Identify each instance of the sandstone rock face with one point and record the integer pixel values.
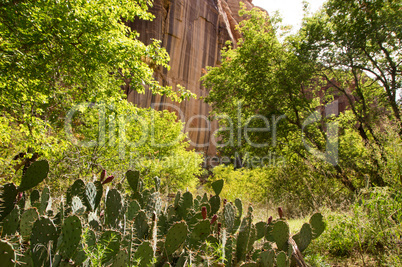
(193, 33)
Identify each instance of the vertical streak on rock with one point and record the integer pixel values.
(193, 33)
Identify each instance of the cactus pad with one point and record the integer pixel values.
(8, 194)
(44, 200)
(34, 197)
(282, 260)
(43, 237)
(280, 234)
(132, 210)
(229, 213)
(141, 225)
(304, 237)
(200, 232)
(176, 235)
(215, 203)
(71, 231)
(267, 258)
(133, 178)
(260, 227)
(154, 204)
(43, 232)
(121, 259)
(35, 174)
(217, 186)
(76, 189)
(243, 239)
(185, 204)
(157, 181)
(7, 254)
(76, 206)
(144, 254)
(11, 222)
(93, 195)
(177, 199)
(317, 225)
(27, 220)
(114, 207)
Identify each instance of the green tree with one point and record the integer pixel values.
(55, 55)
(274, 95)
(359, 37)
(350, 41)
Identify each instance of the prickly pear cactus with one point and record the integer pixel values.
(304, 237)
(162, 224)
(217, 186)
(114, 207)
(239, 207)
(280, 234)
(7, 254)
(121, 259)
(260, 227)
(133, 178)
(197, 217)
(71, 231)
(34, 198)
(267, 258)
(10, 224)
(177, 199)
(76, 189)
(229, 213)
(8, 194)
(282, 260)
(243, 238)
(43, 241)
(35, 174)
(228, 249)
(175, 237)
(44, 200)
(157, 181)
(200, 232)
(93, 195)
(184, 205)
(144, 254)
(154, 204)
(317, 225)
(141, 225)
(76, 206)
(27, 220)
(215, 203)
(132, 210)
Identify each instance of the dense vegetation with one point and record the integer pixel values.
(138, 228)
(279, 104)
(63, 64)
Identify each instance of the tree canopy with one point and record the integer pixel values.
(279, 97)
(57, 56)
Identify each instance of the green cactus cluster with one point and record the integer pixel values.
(138, 228)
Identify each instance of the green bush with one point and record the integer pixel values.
(293, 186)
(371, 228)
(248, 184)
(115, 137)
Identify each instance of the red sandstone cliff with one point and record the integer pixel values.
(193, 33)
